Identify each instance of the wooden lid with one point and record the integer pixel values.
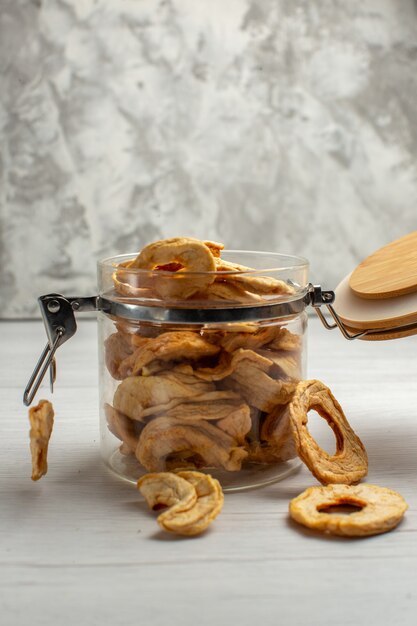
(364, 314)
(389, 272)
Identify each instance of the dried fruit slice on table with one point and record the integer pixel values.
(381, 509)
(41, 419)
(195, 500)
(165, 489)
(209, 503)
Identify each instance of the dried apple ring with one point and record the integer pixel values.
(196, 519)
(165, 489)
(188, 255)
(381, 509)
(350, 462)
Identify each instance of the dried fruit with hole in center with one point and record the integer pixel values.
(41, 418)
(381, 509)
(350, 462)
(190, 256)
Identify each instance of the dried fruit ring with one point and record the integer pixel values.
(350, 462)
(178, 256)
(380, 509)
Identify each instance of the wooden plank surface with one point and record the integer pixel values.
(80, 547)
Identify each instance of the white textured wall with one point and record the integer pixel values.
(283, 125)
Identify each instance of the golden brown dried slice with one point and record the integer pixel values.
(215, 248)
(286, 365)
(124, 428)
(272, 336)
(172, 346)
(165, 489)
(262, 453)
(381, 509)
(41, 418)
(221, 291)
(137, 393)
(232, 416)
(196, 519)
(117, 348)
(165, 436)
(277, 432)
(252, 381)
(350, 462)
(247, 278)
(127, 282)
(187, 255)
(285, 340)
(207, 398)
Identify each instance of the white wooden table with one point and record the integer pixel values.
(80, 547)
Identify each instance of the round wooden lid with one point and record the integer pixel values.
(365, 314)
(389, 272)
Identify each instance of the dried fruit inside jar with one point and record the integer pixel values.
(200, 396)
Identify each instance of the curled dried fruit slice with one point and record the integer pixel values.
(215, 248)
(381, 509)
(187, 255)
(137, 396)
(41, 419)
(124, 428)
(277, 432)
(350, 462)
(172, 346)
(127, 283)
(237, 275)
(117, 349)
(273, 337)
(196, 519)
(251, 379)
(165, 489)
(166, 436)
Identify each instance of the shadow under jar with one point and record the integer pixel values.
(201, 381)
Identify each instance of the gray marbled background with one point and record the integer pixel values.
(286, 125)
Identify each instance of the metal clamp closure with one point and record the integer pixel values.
(59, 319)
(317, 299)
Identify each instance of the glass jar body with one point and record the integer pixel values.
(209, 396)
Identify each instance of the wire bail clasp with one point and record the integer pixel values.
(60, 325)
(318, 297)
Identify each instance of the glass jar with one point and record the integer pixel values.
(201, 382)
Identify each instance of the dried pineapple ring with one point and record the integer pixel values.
(350, 462)
(209, 503)
(167, 489)
(191, 254)
(382, 509)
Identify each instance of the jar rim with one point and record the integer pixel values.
(293, 263)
